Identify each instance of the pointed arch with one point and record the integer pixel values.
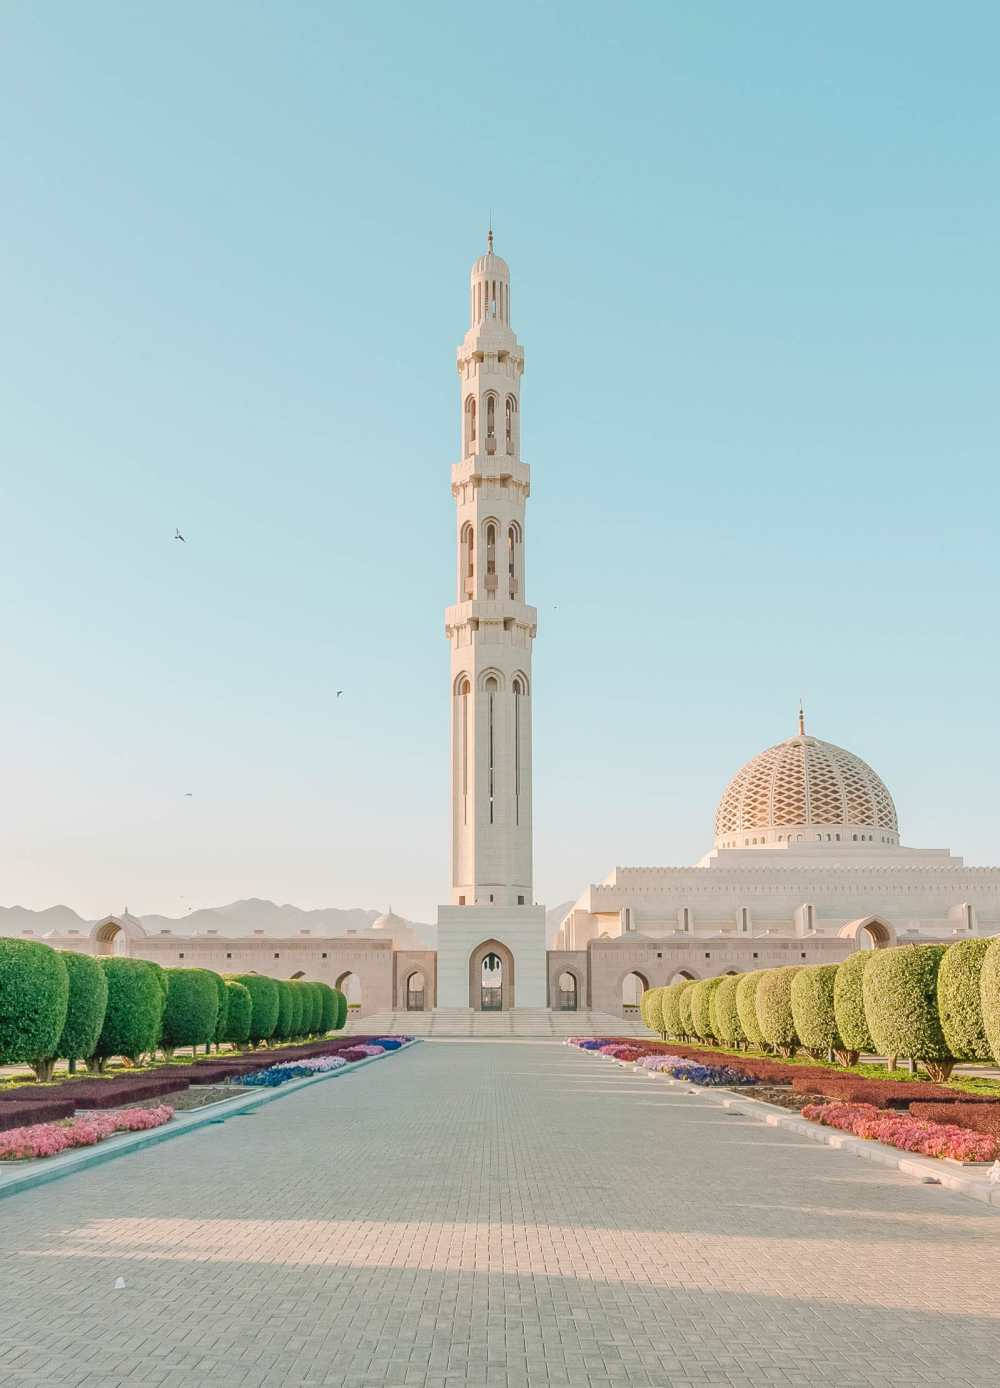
(477, 958)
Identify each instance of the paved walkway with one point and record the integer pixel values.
(510, 1213)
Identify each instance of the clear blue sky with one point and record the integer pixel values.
(754, 259)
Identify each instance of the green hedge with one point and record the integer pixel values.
(298, 1007)
(134, 1013)
(725, 1014)
(812, 1007)
(34, 996)
(341, 1021)
(239, 1011)
(684, 1007)
(746, 1006)
(849, 1004)
(328, 1015)
(670, 1008)
(283, 1027)
(654, 1010)
(899, 988)
(222, 1017)
(88, 1002)
(774, 1009)
(701, 1007)
(959, 1000)
(315, 1008)
(191, 1009)
(264, 999)
(989, 996)
(644, 998)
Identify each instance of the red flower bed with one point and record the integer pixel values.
(37, 1110)
(120, 1090)
(904, 1131)
(978, 1117)
(854, 1089)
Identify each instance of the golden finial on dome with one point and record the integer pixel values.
(489, 237)
(802, 720)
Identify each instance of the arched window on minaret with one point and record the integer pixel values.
(468, 552)
(470, 423)
(462, 688)
(491, 686)
(513, 559)
(491, 424)
(509, 424)
(491, 559)
(520, 687)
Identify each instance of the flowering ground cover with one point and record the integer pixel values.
(683, 1069)
(47, 1139)
(905, 1131)
(285, 1070)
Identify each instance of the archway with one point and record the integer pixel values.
(633, 987)
(683, 976)
(111, 938)
(415, 992)
(568, 993)
(491, 977)
(350, 985)
(868, 932)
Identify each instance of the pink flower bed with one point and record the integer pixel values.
(47, 1139)
(370, 1049)
(904, 1131)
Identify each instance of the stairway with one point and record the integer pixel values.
(517, 1022)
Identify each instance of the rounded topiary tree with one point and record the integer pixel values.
(701, 1007)
(88, 1002)
(899, 990)
(239, 1010)
(34, 995)
(222, 1017)
(774, 1009)
(191, 1009)
(654, 1010)
(264, 1000)
(746, 1006)
(812, 1009)
(959, 1000)
(134, 1013)
(670, 1008)
(316, 1015)
(725, 1014)
(341, 1021)
(644, 997)
(298, 1007)
(328, 1014)
(849, 1007)
(684, 1007)
(283, 1028)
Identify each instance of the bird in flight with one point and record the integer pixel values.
(178, 535)
(339, 692)
(188, 794)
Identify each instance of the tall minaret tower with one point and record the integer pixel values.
(490, 628)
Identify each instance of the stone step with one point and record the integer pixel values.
(519, 1021)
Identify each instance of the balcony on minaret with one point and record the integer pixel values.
(491, 585)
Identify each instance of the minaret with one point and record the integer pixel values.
(490, 629)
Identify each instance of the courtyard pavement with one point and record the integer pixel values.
(508, 1213)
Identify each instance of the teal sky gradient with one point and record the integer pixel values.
(754, 266)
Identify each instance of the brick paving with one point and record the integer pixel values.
(508, 1213)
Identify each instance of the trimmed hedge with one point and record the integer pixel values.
(989, 996)
(328, 1015)
(701, 1007)
(134, 1013)
(726, 1022)
(774, 1008)
(264, 1004)
(341, 1021)
(812, 1007)
(314, 1010)
(684, 1008)
(88, 1002)
(849, 1005)
(239, 1011)
(981, 1118)
(899, 989)
(283, 1028)
(856, 1089)
(34, 996)
(191, 1009)
(959, 1001)
(222, 1016)
(644, 997)
(670, 1008)
(22, 1113)
(298, 1007)
(654, 1010)
(746, 1006)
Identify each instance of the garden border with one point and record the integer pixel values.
(21, 1177)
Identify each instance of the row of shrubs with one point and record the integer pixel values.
(58, 1005)
(936, 1004)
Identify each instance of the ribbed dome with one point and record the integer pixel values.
(807, 790)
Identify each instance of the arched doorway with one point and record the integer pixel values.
(491, 977)
(568, 993)
(111, 938)
(415, 992)
(633, 987)
(682, 976)
(350, 985)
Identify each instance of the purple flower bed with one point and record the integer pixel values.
(682, 1069)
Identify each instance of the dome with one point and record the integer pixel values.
(390, 922)
(809, 791)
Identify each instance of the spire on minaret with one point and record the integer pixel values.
(489, 239)
(802, 720)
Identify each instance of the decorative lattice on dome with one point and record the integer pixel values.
(801, 782)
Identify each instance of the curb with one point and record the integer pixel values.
(48, 1169)
(927, 1170)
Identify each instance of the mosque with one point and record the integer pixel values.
(806, 867)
